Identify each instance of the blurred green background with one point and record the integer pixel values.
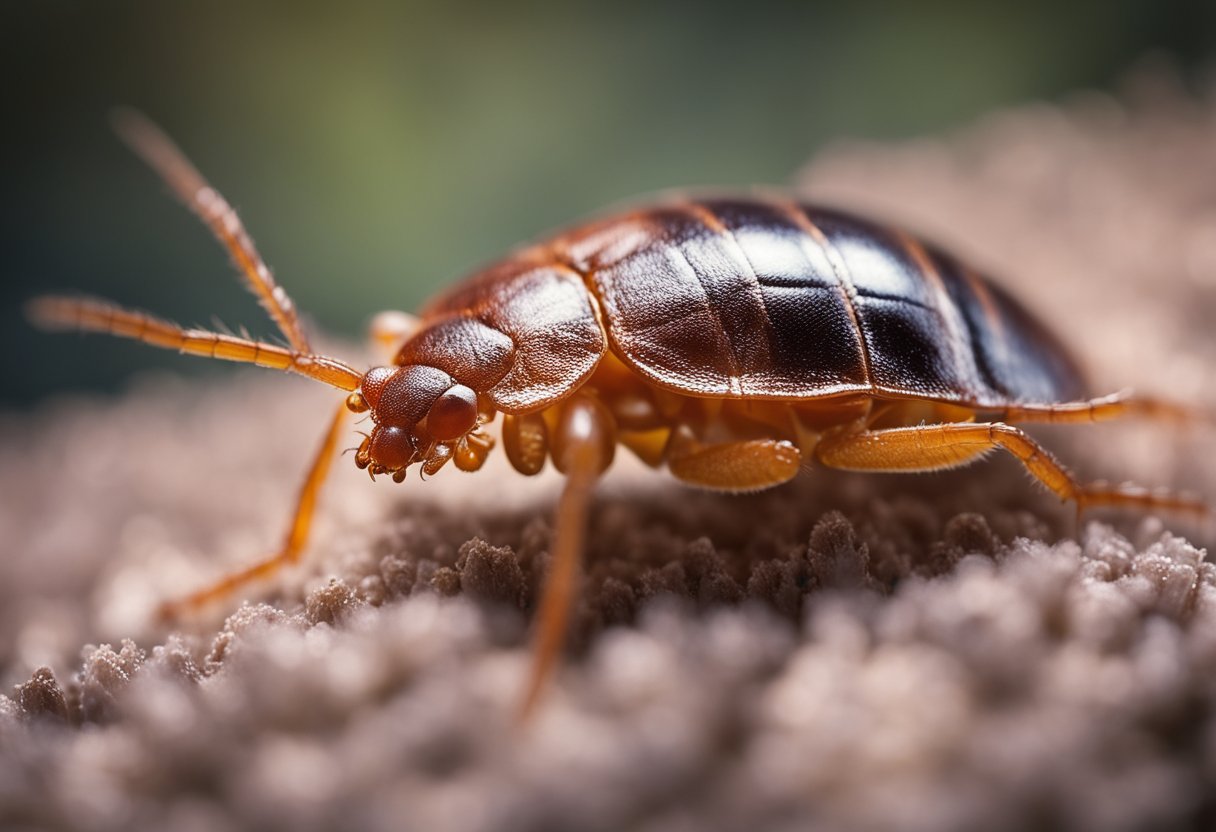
(378, 150)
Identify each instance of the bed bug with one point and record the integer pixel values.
(733, 340)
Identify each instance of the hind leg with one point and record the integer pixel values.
(933, 447)
(1105, 408)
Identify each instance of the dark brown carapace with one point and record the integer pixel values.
(735, 341)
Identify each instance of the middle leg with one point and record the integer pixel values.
(746, 465)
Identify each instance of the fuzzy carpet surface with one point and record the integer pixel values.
(935, 652)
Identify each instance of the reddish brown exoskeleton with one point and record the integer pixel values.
(733, 340)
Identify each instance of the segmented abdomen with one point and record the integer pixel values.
(775, 300)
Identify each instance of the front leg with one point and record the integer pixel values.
(582, 449)
(293, 544)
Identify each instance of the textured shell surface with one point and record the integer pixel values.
(760, 297)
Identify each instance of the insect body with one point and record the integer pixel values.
(735, 341)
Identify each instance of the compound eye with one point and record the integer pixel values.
(453, 414)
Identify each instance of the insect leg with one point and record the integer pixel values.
(932, 447)
(735, 466)
(1117, 406)
(582, 449)
(293, 545)
(151, 144)
(388, 330)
